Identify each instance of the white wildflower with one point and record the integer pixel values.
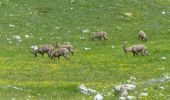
(86, 31)
(27, 36)
(10, 42)
(163, 12)
(82, 38)
(57, 28)
(129, 14)
(143, 94)
(8, 39)
(72, 1)
(87, 49)
(10, 25)
(163, 58)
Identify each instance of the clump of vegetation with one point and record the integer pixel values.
(43, 9)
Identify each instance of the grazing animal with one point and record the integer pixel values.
(41, 49)
(142, 36)
(66, 45)
(99, 35)
(135, 49)
(59, 52)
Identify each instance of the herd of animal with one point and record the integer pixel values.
(66, 47)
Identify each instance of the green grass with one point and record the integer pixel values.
(101, 68)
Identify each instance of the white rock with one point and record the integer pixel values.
(17, 38)
(85, 90)
(98, 97)
(131, 97)
(124, 89)
(122, 98)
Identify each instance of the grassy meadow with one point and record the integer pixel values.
(25, 77)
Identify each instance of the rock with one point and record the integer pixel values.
(98, 97)
(17, 38)
(122, 98)
(124, 89)
(85, 90)
(131, 97)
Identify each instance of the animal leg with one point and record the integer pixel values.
(145, 52)
(136, 53)
(105, 38)
(142, 52)
(66, 56)
(139, 37)
(35, 54)
(58, 57)
(42, 54)
(72, 52)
